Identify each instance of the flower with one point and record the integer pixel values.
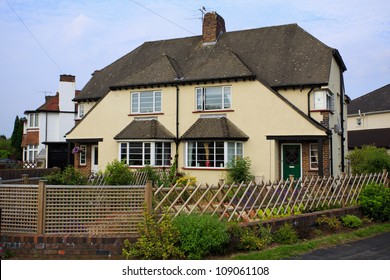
(75, 150)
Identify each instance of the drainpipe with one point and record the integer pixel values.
(342, 122)
(177, 141)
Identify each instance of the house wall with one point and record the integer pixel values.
(256, 110)
(369, 121)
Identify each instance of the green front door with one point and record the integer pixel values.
(291, 158)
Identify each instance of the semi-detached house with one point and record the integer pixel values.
(273, 94)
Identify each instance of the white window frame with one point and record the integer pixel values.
(30, 153)
(33, 120)
(145, 145)
(313, 148)
(80, 111)
(200, 98)
(323, 100)
(135, 97)
(83, 155)
(238, 145)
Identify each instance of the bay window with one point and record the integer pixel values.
(139, 153)
(212, 154)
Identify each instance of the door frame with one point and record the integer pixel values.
(94, 167)
(282, 157)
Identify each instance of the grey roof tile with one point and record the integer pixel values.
(375, 101)
(144, 129)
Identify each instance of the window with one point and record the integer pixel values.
(146, 153)
(213, 98)
(359, 121)
(30, 153)
(83, 154)
(323, 100)
(145, 102)
(212, 154)
(33, 120)
(313, 156)
(81, 110)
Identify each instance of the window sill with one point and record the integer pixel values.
(322, 110)
(213, 111)
(205, 168)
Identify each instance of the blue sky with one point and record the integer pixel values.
(79, 37)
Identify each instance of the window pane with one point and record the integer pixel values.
(135, 153)
(191, 154)
(36, 120)
(146, 102)
(134, 102)
(157, 101)
(227, 98)
(199, 99)
(213, 98)
(313, 156)
(123, 154)
(147, 154)
(219, 154)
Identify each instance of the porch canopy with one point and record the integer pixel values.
(299, 138)
(145, 129)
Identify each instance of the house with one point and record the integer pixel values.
(44, 144)
(273, 94)
(369, 119)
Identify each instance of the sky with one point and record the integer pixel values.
(40, 40)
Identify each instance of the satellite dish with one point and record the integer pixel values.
(336, 128)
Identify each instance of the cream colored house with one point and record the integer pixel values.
(369, 119)
(272, 94)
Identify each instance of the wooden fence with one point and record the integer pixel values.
(107, 210)
(254, 202)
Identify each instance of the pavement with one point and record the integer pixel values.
(373, 248)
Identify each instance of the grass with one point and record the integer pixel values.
(289, 251)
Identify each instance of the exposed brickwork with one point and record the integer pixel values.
(67, 78)
(213, 26)
(86, 169)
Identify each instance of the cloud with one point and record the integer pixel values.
(77, 28)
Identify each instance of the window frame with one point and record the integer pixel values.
(201, 98)
(30, 153)
(80, 111)
(313, 165)
(136, 96)
(227, 157)
(83, 155)
(33, 120)
(150, 157)
(323, 100)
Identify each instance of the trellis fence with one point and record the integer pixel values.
(253, 202)
(107, 210)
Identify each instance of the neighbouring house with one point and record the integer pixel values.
(273, 94)
(369, 119)
(44, 144)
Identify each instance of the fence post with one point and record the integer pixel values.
(148, 196)
(25, 179)
(41, 206)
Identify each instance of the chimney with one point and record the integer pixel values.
(213, 26)
(66, 90)
(67, 78)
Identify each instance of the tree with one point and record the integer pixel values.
(16, 137)
(369, 159)
(6, 148)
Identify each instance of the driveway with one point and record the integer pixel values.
(372, 248)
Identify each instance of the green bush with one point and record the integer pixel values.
(369, 159)
(375, 202)
(286, 235)
(332, 222)
(69, 176)
(249, 238)
(118, 173)
(239, 170)
(351, 221)
(201, 235)
(157, 240)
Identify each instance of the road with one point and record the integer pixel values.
(372, 248)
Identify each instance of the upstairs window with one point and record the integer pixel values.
(146, 102)
(80, 111)
(323, 100)
(33, 120)
(213, 98)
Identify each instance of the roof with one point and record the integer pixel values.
(214, 128)
(278, 56)
(145, 129)
(377, 137)
(51, 104)
(375, 101)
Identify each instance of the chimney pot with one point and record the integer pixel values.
(213, 26)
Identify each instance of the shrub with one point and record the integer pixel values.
(332, 222)
(375, 201)
(369, 159)
(249, 238)
(156, 241)
(118, 173)
(285, 235)
(69, 176)
(201, 235)
(238, 170)
(351, 221)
